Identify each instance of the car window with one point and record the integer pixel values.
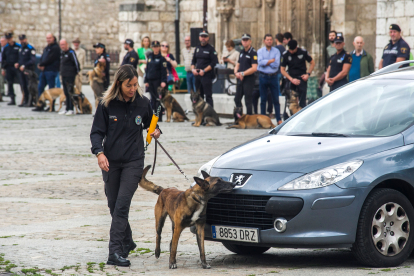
(364, 108)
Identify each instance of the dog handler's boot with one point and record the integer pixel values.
(116, 259)
(12, 102)
(127, 248)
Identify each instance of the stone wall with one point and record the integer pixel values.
(90, 20)
(399, 12)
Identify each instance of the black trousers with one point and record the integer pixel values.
(152, 89)
(121, 182)
(245, 88)
(68, 84)
(205, 83)
(24, 83)
(301, 90)
(338, 84)
(11, 74)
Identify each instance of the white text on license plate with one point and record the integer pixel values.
(235, 233)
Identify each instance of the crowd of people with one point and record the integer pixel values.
(279, 59)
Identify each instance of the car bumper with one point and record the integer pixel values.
(328, 218)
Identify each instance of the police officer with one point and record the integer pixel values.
(245, 68)
(131, 56)
(117, 141)
(156, 73)
(10, 57)
(27, 61)
(295, 59)
(202, 66)
(339, 65)
(395, 51)
(103, 57)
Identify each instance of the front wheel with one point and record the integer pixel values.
(245, 250)
(384, 236)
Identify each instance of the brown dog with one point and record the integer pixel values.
(205, 113)
(51, 95)
(172, 106)
(293, 103)
(185, 209)
(81, 102)
(252, 122)
(96, 81)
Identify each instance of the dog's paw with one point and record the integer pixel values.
(173, 266)
(206, 266)
(157, 253)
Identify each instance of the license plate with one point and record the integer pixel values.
(235, 233)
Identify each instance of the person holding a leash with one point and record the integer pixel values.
(117, 141)
(27, 61)
(10, 56)
(103, 57)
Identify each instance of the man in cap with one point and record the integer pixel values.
(103, 57)
(156, 74)
(27, 61)
(202, 66)
(81, 55)
(132, 56)
(395, 51)
(49, 65)
(295, 59)
(339, 65)
(244, 71)
(10, 56)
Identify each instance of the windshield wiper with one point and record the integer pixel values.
(326, 134)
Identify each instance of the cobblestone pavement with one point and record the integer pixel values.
(53, 212)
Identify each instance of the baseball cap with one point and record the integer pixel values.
(155, 43)
(246, 36)
(292, 44)
(203, 33)
(22, 36)
(99, 45)
(76, 40)
(8, 35)
(130, 42)
(395, 27)
(339, 38)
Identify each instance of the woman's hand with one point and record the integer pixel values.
(168, 59)
(156, 133)
(103, 162)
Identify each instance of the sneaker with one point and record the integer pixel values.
(62, 112)
(70, 113)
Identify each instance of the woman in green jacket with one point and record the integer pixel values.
(142, 63)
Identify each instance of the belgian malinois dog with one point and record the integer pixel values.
(81, 102)
(205, 113)
(51, 95)
(185, 209)
(293, 102)
(96, 81)
(252, 122)
(172, 106)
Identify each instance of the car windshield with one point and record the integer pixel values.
(364, 108)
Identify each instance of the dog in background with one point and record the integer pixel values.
(172, 106)
(81, 102)
(33, 80)
(51, 95)
(205, 113)
(96, 81)
(185, 209)
(293, 102)
(250, 121)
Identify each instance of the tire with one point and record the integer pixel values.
(384, 235)
(245, 250)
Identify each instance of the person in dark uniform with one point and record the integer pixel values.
(202, 66)
(156, 73)
(10, 56)
(103, 57)
(395, 51)
(339, 65)
(116, 138)
(244, 71)
(295, 59)
(27, 61)
(132, 56)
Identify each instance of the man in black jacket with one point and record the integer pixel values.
(131, 56)
(49, 65)
(69, 68)
(10, 56)
(27, 61)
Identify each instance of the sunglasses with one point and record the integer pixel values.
(166, 46)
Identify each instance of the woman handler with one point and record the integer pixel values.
(117, 141)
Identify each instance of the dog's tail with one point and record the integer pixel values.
(148, 185)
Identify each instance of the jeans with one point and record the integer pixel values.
(57, 81)
(46, 78)
(190, 82)
(273, 83)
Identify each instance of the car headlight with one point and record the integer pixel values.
(323, 177)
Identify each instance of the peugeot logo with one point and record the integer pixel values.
(240, 179)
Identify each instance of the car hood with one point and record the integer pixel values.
(302, 154)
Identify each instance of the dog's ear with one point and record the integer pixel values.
(202, 183)
(205, 175)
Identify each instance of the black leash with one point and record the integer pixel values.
(155, 158)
